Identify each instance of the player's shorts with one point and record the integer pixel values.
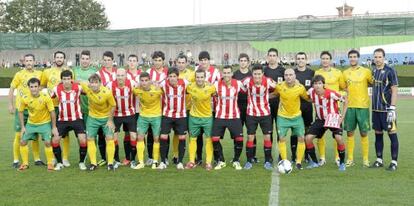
(146, 123)
(307, 113)
(17, 127)
(379, 122)
(85, 118)
(179, 125)
(64, 127)
(94, 124)
(129, 123)
(295, 123)
(317, 128)
(357, 116)
(125, 127)
(233, 125)
(265, 123)
(196, 124)
(34, 130)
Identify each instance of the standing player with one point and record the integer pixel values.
(19, 83)
(41, 112)
(289, 114)
(158, 74)
(133, 74)
(384, 101)
(326, 103)
(200, 117)
(50, 79)
(122, 90)
(242, 73)
(212, 76)
(227, 116)
(70, 117)
(304, 75)
(357, 79)
(258, 112)
(334, 80)
(276, 72)
(174, 116)
(107, 74)
(101, 110)
(150, 116)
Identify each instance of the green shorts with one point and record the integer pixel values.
(93, 125)
(295, 123)
(34, 130)
(145, 122)
(195, 124)
(356, 116)
(17, 127)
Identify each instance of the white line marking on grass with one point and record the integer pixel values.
(274, 189)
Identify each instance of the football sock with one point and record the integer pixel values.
(365, 148)
(82, 151)
(110, 151)
(156, 151)
(150, 142)
(66, 147)
(128, 147)
(49, 155)
(394, 146)
(282, 150)
(321, 147)
(200, 145)
(36, 149)
(175, 145)
(350, 144)
(192, 149)
(293, 145)
(92, 151)
(209, 150)
(24, 152)
(238, 148)
(57, 152)
(133, 149)
(16, 147)
(300, 152)
(267, 147)
(341, 153)
(379, 144)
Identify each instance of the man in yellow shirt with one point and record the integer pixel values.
(41, 112)
(101, 109)
(19, 83)
(50, 79)
(334, 80)
(150, 116)
(289, 115)
(357, 79)
(200, 117)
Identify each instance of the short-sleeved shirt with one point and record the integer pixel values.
(150, 101)
(100, 103)
(334, 79)
(289, 106)
(241, 76)
(50, 79)
(357, 81)
(19, 83)
(39, 108)
(201, 99)
(305, 78)
(278, 75)
(384, 79)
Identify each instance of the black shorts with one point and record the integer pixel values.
(64, 127)
(125, 127)
(129, 122)
(243, 112)
(307, 113)
(179, 125)
(379, 121)
(317, 128)
(234, 125)
(266, 124)
(274, 106)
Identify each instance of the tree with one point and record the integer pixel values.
(54, 15)
(2, 16)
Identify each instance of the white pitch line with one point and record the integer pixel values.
(274, 189)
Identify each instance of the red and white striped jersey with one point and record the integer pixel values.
(107, 75)
(174, 99)
(132, 76)
(212, 75)
(158, 77)
(325, 104)
(258, 96)
(69, 102)
(124, 98)
(227, 107)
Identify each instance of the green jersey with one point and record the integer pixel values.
(82, 75)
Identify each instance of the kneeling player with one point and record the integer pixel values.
(70, 117)
(150, 117)
(326, 107)
(41, 112)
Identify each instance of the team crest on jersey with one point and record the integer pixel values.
(307, 82)
(382, 71)
(279, 79)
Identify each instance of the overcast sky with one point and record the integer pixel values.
(128, 14)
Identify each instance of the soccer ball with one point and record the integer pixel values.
(284, 167)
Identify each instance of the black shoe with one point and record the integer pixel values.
(198, 162)
(93, 168)
(392, 167)
(111, 167)
(299, 166)
(175, 160)
(39, 163)
(16, 165)
(255, 160)
(377, 164)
